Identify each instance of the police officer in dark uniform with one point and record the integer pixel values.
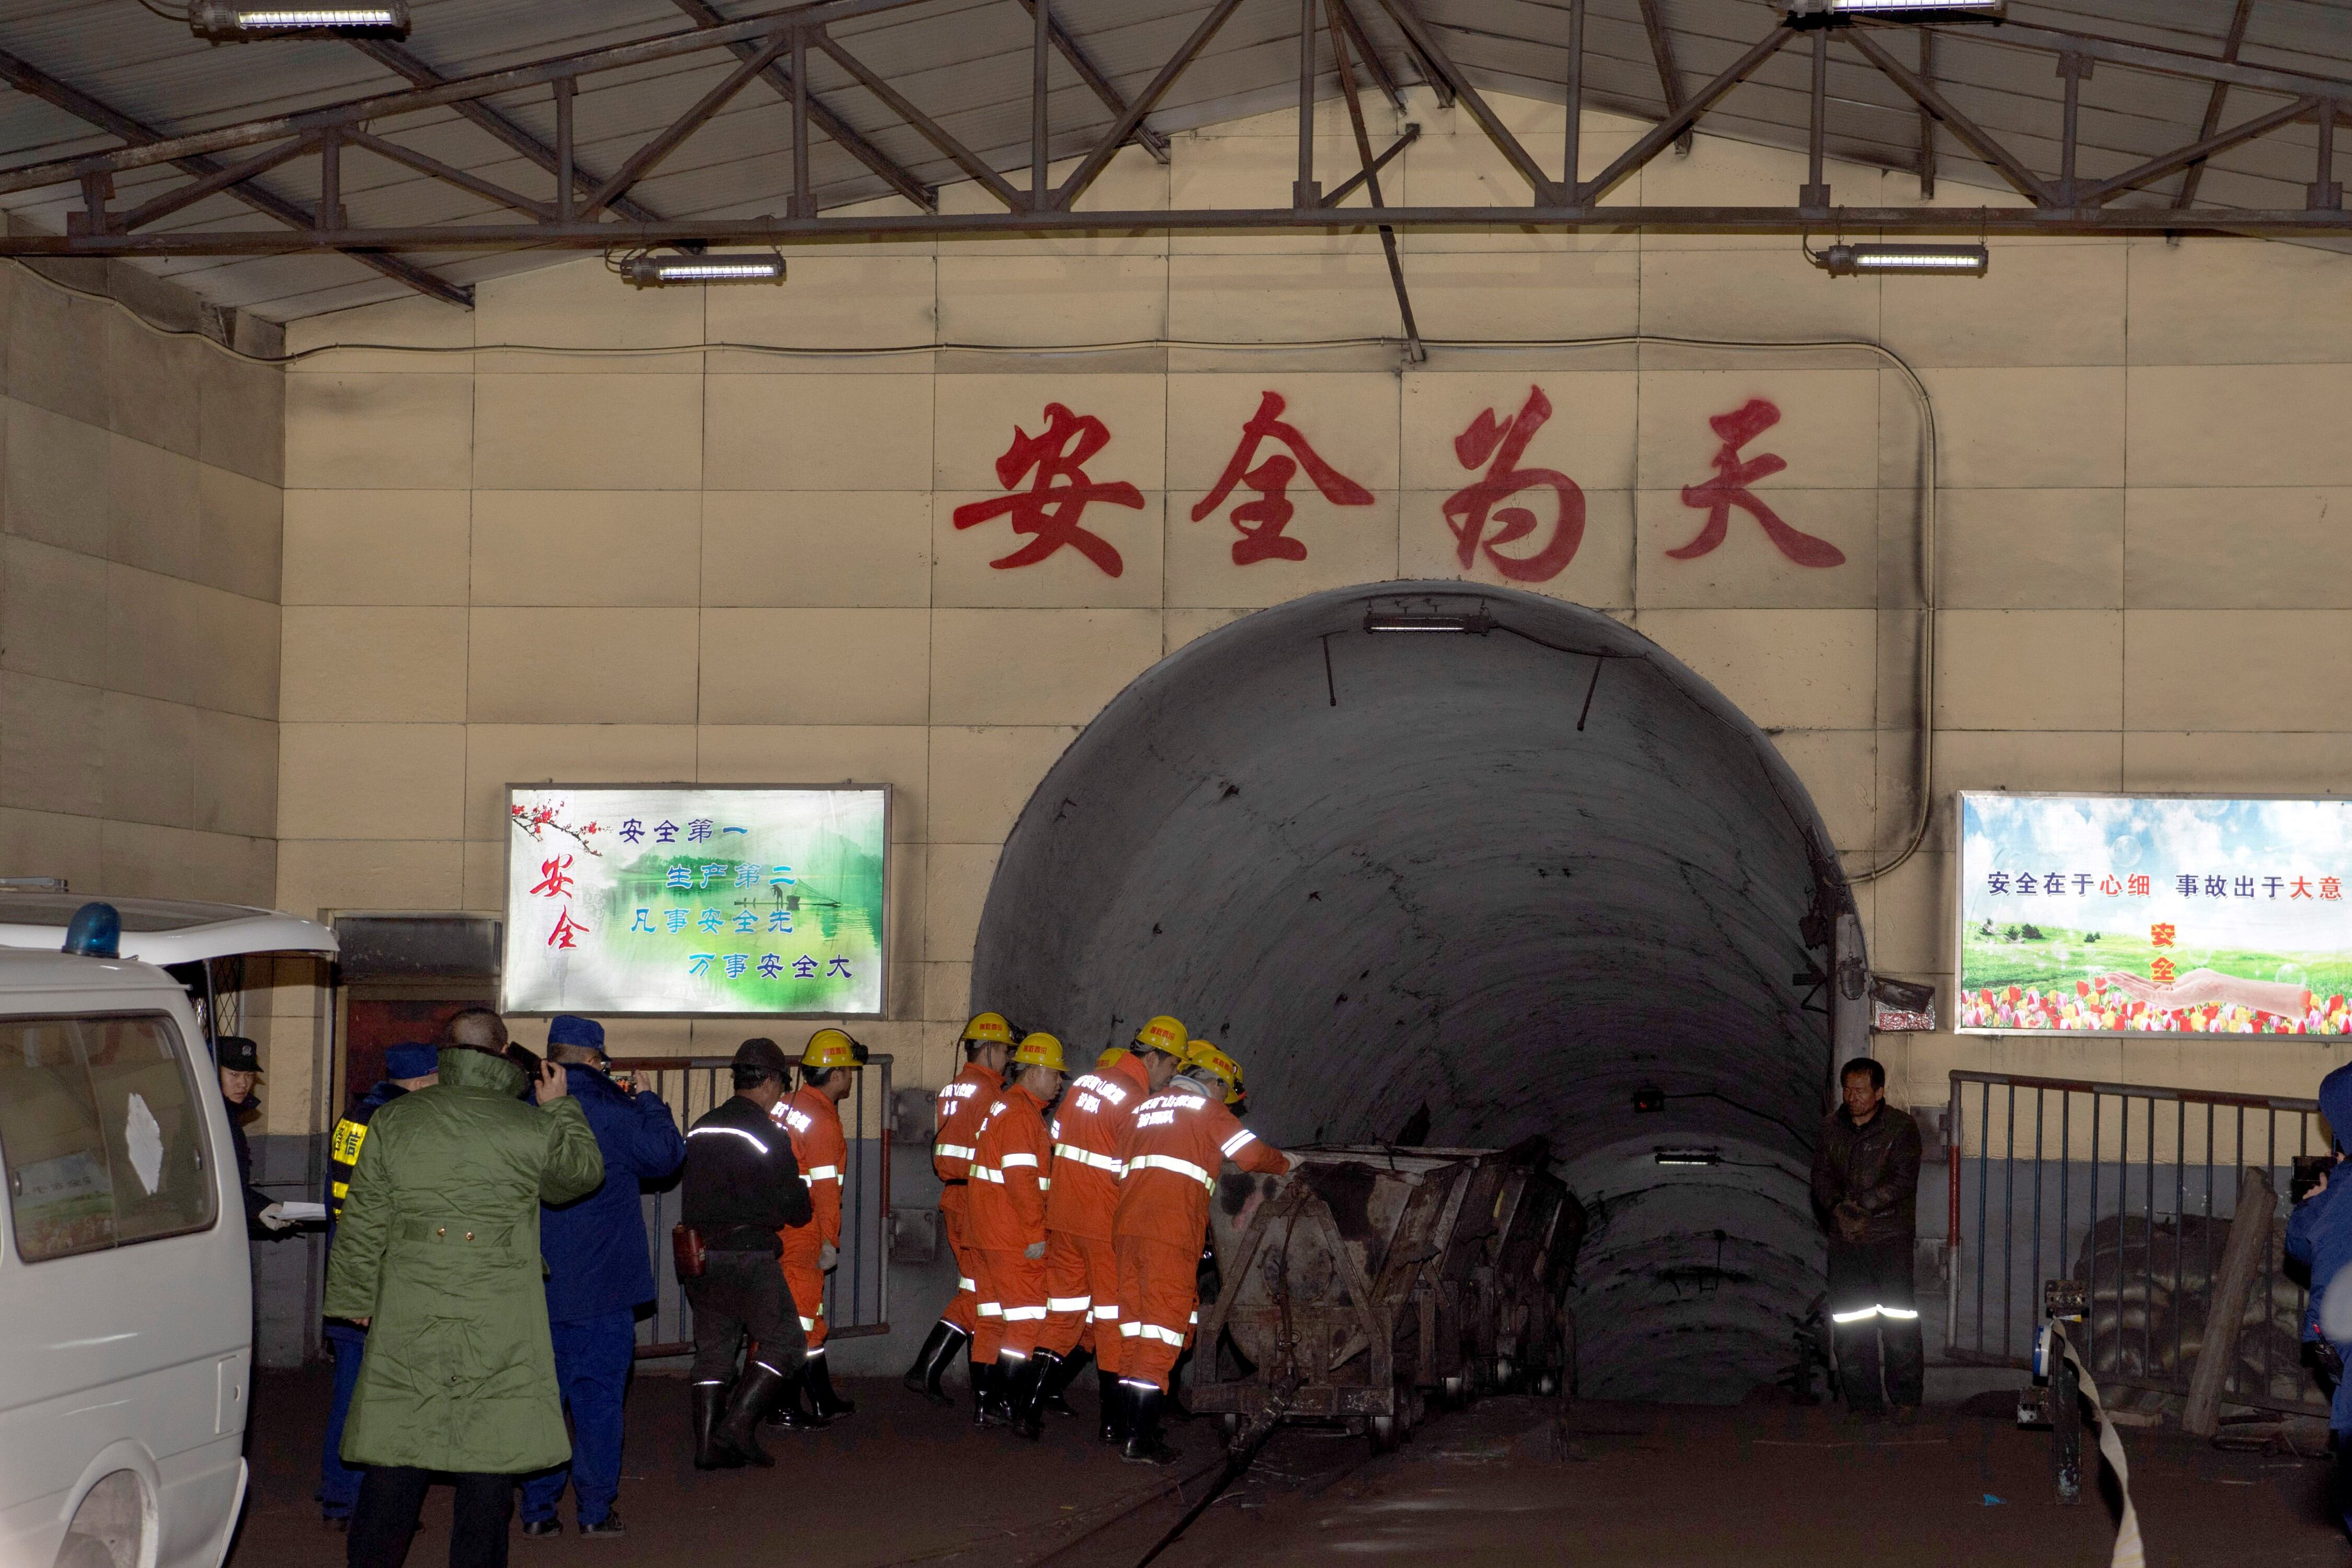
(741, 1186)
(405, 1067)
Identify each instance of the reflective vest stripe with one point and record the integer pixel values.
(1238, 1142)
(955, 1151)
(1107, 1311)
(1022, 1314)
(732, 1132)
(1008, 1161)
(1169, 1162)
(1088, 1157)
(825, 1173)
(1068, 1303)
(1152, 1332)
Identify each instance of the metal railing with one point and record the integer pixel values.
(857, 1294)
(2129, 1188)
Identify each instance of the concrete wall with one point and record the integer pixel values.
(732, 565)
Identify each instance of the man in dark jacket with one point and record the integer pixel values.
(2319, 1236)
(239, 1060)
(1867, 1183)
(405, 1069)
(743, 1185)
(598, 1273)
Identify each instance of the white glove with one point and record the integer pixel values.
(1034, 1250)
(827, 1255)
(273, 1217)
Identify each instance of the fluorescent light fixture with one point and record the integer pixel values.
(674, 272)
(1846, 261)
(1895, 8)
(1690, 1156)
(1478, 621)
(235, 21)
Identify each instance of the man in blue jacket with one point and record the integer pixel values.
(2319, 1234)
(598, 1274)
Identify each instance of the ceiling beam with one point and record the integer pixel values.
(1662, 51)
(28, 78)
(1145, 137)
(2231, 44)
(844, 135)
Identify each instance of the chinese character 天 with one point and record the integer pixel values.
(1733, 474)
(1261, 522)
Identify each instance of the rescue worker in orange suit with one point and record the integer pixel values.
(1180, 1140)
(812, 1120)
(1081, 1270)
(963, 1105)
(1012, 1174)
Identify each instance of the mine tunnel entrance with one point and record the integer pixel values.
(1412, 845)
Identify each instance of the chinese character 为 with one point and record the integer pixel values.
(779, 920)
(682, 877)
(632, 830)
(698, 963)
(2301, 889)
(1272, 511)
(554, 883)
(1996, 881)
(1468, 509)
(746, 875)
(665, 832)
(2109, 886)
(2138, 887)
(676, 920)
(782, 877)
(2216, 887)
(2331, 887)
(747, 920)
(566, 928)
(805, 966)
(713, 871)
(1049, 510)
(1728, 488)
(2161, 934)
(2025, 883)
(735, 965)
(643, 921)
(711, 919)
(2162, 970)
(2188, 886)
(697, 830)
(839, 965)
(771, 966)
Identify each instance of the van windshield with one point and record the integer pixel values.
(102, 1133)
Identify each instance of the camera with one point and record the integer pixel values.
(2308, 1169)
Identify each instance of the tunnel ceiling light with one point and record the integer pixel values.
(239, 21)
(1478, 621)
(1690, 1156)
(679, 271)
(1649, 1097)
(1847, 261)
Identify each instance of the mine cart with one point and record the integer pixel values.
(1370, 1280)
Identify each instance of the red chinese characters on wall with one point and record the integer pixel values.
(1049, 511)
(1469, 510)
(1261, 522)
(1728, 488)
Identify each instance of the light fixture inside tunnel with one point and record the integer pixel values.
(237, 21)
(1690, 1156)
(674, 272)
(1477, 622)
(1847, 261)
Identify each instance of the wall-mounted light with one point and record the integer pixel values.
(676, 271)
(1477, 622)
(239, 21)
(1689, 1156)
(1846, 261)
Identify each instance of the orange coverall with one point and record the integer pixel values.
(963, 1105)
(1081, 1272)
(1180, 1140)
(1011, 1175)
(813, 1122)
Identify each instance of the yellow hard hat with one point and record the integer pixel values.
(1039, 1050)
(990, 1027)
(1110, 1057)
(832, 1049)
(1162, 1034)
(1200, 1054)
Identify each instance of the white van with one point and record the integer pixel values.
(126, 1312)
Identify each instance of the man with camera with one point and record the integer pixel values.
(1867, 1183)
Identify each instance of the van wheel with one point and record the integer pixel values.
(110, 1527)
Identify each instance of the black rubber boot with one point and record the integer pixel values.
(1056, 1384)
(788, 1413)
(1114, 1407)
(931, 1362)
(1026, 1381)
(1144, 1446)
(818, 1379)
(988, 1395)
(755, 1392)
(709, 1453)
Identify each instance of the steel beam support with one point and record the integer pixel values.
(2164, 163)
(843, 134)
(645, 159)
(1670, 75)
(930, 130)
(1145, 137)
(1571, 189)
(1040, 45)
(400, 63)
(1105, 150)
(219, 180)
(1927, 120)
(1415, 351)
(2169, 62)
(1357, 181)
(1927, 98)
(804, 193)
(2072, 68)
(1655, 140)
(1305, 192)
(1530, 169)
(1815, 196)
(423, 163)
(2327, 191)
(1376, 68)
(2231, 42)
(567, 166)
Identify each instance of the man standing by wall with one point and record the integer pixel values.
(598, 1273)
(1867, 1183)
(812, 1120)
(438, 1253)
(963, 1105)
(406, 1068)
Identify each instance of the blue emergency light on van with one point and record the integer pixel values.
(96, 931)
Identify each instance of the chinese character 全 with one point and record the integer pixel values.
(1728, 488)
(805, 966)
(566, 928)
(553, 882)
(665, 832)
(747, 920)
(2025, 882)
(1272, 511)
(2161, 969)
(1049, 510)
(1467, 509)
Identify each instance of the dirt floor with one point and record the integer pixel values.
(1510, 1481)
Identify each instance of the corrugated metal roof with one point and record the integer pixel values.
(966, 63)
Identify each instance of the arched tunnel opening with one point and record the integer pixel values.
(1488, 872)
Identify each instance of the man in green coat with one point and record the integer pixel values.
(437, 1257)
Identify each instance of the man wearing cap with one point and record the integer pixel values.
(742, 1186)
(598, 1274)
(812, 1120)
(240, 1068)
(406, 1068)
(1011, 1172)
(963, 1105)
